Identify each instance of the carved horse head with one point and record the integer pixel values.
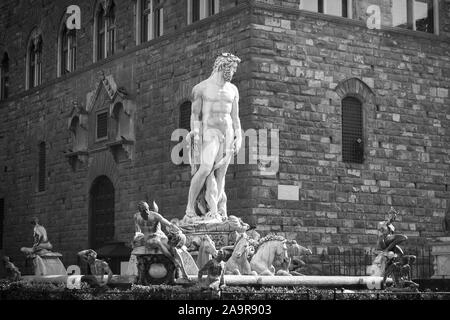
(206, 250)
(241, 249)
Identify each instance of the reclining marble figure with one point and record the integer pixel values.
(150, 239)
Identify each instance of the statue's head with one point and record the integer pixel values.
(220, 256)
(227, 63)
(34, 221)
(91, 255)
(143, 206)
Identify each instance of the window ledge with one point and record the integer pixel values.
(77, 157)
(121, 149)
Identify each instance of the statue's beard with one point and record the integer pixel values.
(227, 76)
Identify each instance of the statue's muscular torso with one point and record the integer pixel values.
(149, 226)
(216, 106)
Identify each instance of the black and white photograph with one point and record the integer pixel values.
(221, 158)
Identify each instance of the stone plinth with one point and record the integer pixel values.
(222, 233)
(48, 264)
(441, 253)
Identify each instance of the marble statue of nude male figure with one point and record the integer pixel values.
(215, 122)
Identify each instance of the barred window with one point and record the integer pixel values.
(185, 119)
(42, 167)
(185, 115)
(102, 125)
(4, 76)
(352, 130)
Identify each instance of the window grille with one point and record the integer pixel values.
(102, 125)
(352, 130)
(42, 167)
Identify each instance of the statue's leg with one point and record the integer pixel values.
(211, 194)
(209, 153)
(220, 178)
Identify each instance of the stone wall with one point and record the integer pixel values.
(297, 66)
(159, 76)
(303, 64)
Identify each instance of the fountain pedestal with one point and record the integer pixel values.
(155, 269)
(48, 263)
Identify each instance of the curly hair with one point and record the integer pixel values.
(225, 59)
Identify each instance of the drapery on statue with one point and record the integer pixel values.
(40, 239)
(215, 136)
(150, 236)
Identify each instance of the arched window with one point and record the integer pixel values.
(105, 30)
(34, 60)
(111, 29)
(4, 76)
(352, 130)
(100, 34)
(42, 167)
(150, 20)
(185, 115)
(67, 50)
(185, 119)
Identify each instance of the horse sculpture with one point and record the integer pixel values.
(238, 263)
(271, 249)
(206, 251)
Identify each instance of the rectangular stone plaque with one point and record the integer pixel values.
(288, 192)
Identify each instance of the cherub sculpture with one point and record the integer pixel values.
(12, 271)
(98, 267)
